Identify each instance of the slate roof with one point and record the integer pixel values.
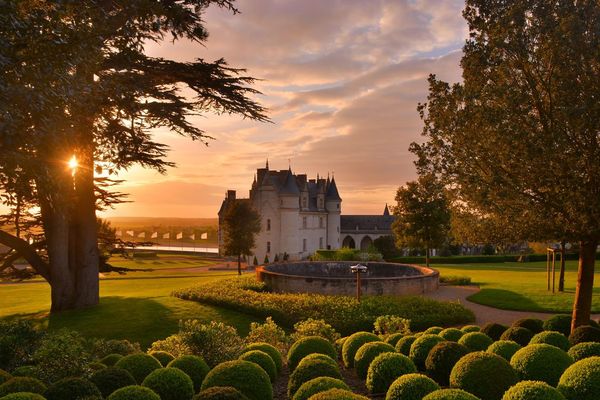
(370, 223)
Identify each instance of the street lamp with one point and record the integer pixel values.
(358, 269)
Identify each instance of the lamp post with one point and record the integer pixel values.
(358, 269)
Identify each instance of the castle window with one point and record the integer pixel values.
(303, 244)
(268, 224)
(320, 242)
(304, 224)
(268, 247)
(320, 222)
(338, 206)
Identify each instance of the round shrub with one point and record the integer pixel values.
(581, 381)
(485, 375)
(110, 379)
(96, 366)
(309, 345)
(551, 337)
(311, 368)
(504, 348)
(451, 334)
(442, 358)
(584, 350)
(394, 338)
(470, 328)
(560, 323)
(532, 390)
(26, 370)
(72, 388)
(318, 385)
(263, 360)
(517, 334)
(367, 353)
(450, 394)
(134, 393)
(535, 325)
(4, 376)
(434, 330)
(540, 362)
(320, 357)
(250, 379)
(195, 367)
(385, 369)
(411, 387)
(111, 359)
(403, 345)
(23, 396)
(163, 357)
(22, 384)
(170, 384)
(138, 365)
(421, 347)
(339, 344)
(271, 351)
(220, 393)
(584, 333)
(494, 330)
(353, 343)
(337, 394)
(476, 341)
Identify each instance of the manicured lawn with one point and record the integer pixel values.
(520, 286)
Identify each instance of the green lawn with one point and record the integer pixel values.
(520, 286)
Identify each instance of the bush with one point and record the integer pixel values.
(18, 341)
(111, 359)
(411, 387)
(581, 381)
(61, 354)
(540, 362)
(95, 366)
(270, 350)
(353, 343)
(385, 369)
(551, 337)
(494, 330)
(535, 325)
(391, 324)
(394, 338)
(584, 350)
(476, 341)
(24, 396)
(263, 360)
(337, 394)
(421, 347)
(450, 394)
(310, 369)
(102, 347)
(470, 328)
(455, 280)
(318, 385)
(442, 358)
(250, 379)
(367, 353)
(195, 367)
(451, 334)
(314, 327)
(517, 334)
(173, 344)
(504, 348)
(22, 384)
(72, 389)
(483, 374)
(170, 384)
(529, 390)
(26, 370)
(163, 357)
(434, 330)
(584, 333)
(134, 393)
(309, 345)
(560, 323)
(138, 365)
(220, 393)
(269, 332)
(110, 379)
(4, 376)
(403, 345)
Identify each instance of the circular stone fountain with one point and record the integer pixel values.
(336, 278)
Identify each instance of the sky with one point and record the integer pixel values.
(341, 80)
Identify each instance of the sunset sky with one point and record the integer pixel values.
(341, 80)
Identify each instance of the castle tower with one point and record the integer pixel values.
(333, 203)
(289, 206)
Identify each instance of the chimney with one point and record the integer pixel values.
(231, 195)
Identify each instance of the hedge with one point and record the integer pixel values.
(195, 367)
(581, 381)
(318, 385)
(367, 353)
(309, 345)
(385, 369)
(485, 375)
(170, 384)
(541, 362)
(250, 379)
(270, 350)
(111, 379)
(532, 390)
(411, 387)
(309, 369)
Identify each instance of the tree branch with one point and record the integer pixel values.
(25, 250)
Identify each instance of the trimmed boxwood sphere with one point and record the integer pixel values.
(4, 376)
(163, 357)
(353, 343)
(581, 381)
(111, 359)
(403, 345)
(339, 343)
(26, 370)
(421, 347)
(337, 394)
(367, 353)
(485, 375)
(320, 357)
(535, 325)
(476, 341)
(72, 388)
(22, 384)
(220, 393)
(195, 367)
(451, 334)
(517, 334)
(584, 333)
(311, 368)
(317, 385)
(394, 338)
(385, 369)
(470, 328)
(560, 323)
(450, 394)
(551, 337)
(584, 350)
(109, 379)
(532, 390)
(134, 393)
(270, 350)
(434, 330)
(504, 348)
(541, 362)
(309, 345)
(23, 396)
(139, 365)
(250, 379)
(494, 330)
(263, 360)
(170, 384)
(411, 387)
(442, 358)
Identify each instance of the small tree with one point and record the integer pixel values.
(241, 223)
(266, 260)
(255, 261)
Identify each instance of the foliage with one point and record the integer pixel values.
(455, 280)
(4, 376)
(353, 343)
(551, 337)
(391, 324)
(241, 224)
(220, 393)
(24, 396)
(584, 333)
(535, 325)
(173, 344)
(270, 350)
(474, 371)
(250, 379)
(61, 354)
(451, 334)
(337, 394)
(403, 345)
(195, 367)
(581, 381)
(342, 254)
(309, 345)
(263, 360)
(394, 338)
(314, 327)
(584, 350)
(494, 330)
(309, 369)
(450, 394)
(476, 341)
(529, 390)
(109, 379)
(22, 384)
(504, 348)
(434, 330)
(134, 393)
(72, 388)
(102, 347)
(386, 246)
(385, 369)
(517, 334)
(111, 359)
(268, 332)
(470, 328)
(318, 385)
(559, 323)
(170, 384)
(18, 341)
(421, 347)
(139, 365)
(162, 356)
(442, 358)
(411, 387)
(541, 362)
(26, 370)
(367, 353)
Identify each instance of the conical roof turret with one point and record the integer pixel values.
(332, 191)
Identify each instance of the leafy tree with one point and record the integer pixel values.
(519, 137)
(422, 215)
(386, 246)
(241, 224)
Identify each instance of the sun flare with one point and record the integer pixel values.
(73, 163)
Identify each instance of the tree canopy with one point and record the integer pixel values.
(241, 224)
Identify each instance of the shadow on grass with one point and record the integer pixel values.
(505, 299)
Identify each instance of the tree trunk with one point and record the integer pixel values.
(585, 283)
(561, 277)
(427, 255)
(239, 264)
